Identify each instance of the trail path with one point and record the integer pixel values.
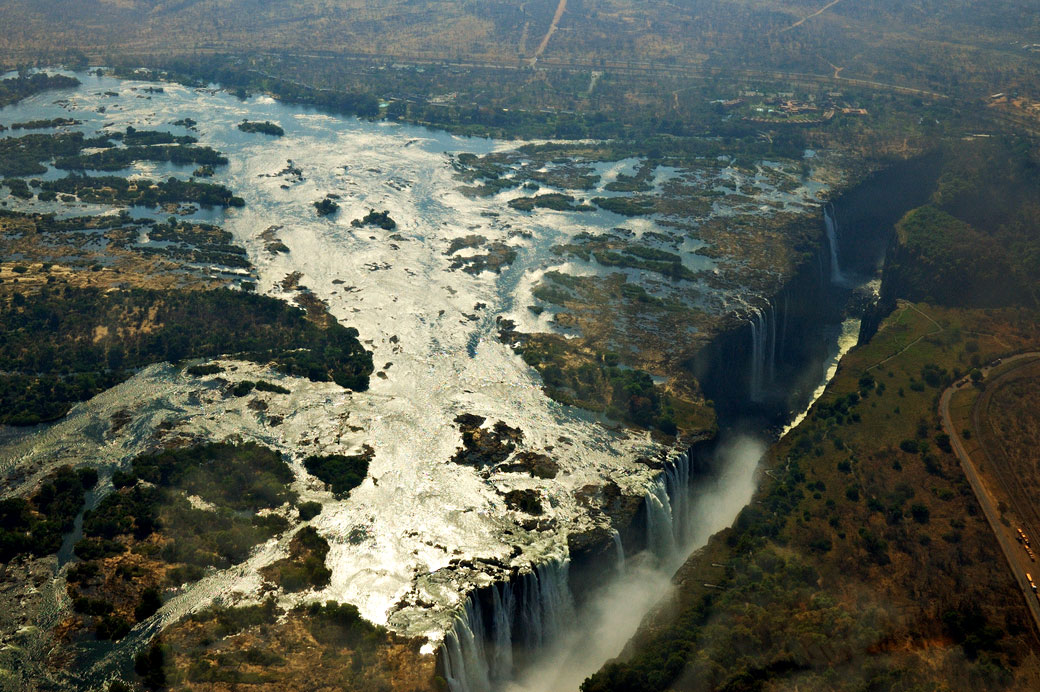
(817, 13)
(1017, 559)
(938, 328)
(548, 34)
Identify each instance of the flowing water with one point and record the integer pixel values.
(401, 541)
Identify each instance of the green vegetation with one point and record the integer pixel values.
(974, 245)
(143, 192)
(341, 623)
(943, 258)
(380, 219)
(626, 206)
(326, 207)
(838, 545)
(18, 187)
(36, 526)
(118, 159)
(340, 473)
(612, 252)
(265, 386)
(553, 200)
(65, 346)
(267, 128)
(148, 138)
(309, 510)
(242, 477)
(600, 384)
(17, 88)
(185, 242)
(174, 514)
(170, 516)
(22, 156)
(232, 620)
(329, 645)
(305, 567)
(45, 124)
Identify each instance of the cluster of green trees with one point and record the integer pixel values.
(245, 476)
(17, 88)
(341, 473)
(55, 350)
(37, 525)
(380, 219)
(143, 192)
(236, 480)
(943, 260)
(625, 394)
(21, 156)
(267, 128)
(552, 200)
(45, 124)
(148, 138)
(305, 567)
(626, 206)
(326, 206)
(118, 159)
(975, 244)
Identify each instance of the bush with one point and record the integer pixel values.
(920, 513)
(309, 510)
(339, 472)
(150, 665)
(201, 370)
(151, 601)
(243, 388)
(112, 627)
(263, 386)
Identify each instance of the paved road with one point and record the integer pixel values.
(1015, 554)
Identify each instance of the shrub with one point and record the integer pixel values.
(309, 510)
(341, 473)
(920, 513)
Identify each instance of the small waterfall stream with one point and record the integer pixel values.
(524, 616)
(766, 349)
(831, 224)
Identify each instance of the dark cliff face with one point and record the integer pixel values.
(757, 370)
(761, 370)
(867, 213)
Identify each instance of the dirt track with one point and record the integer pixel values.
(997, 483)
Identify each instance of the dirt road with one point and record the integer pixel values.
(560, 9)
(989, 496)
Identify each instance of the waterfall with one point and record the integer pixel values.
(465, 663)
(669, 510)
(660, 529)
(503, 606)
(758, 352)
(619, 551)
(772, 343)
(478, 651)
(832, 239)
